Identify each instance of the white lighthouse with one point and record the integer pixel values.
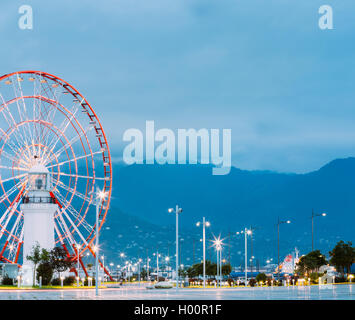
(38, 209)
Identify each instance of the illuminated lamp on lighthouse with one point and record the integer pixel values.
(38, 209)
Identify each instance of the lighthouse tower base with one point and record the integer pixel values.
(38, 229)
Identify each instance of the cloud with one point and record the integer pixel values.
(262, 68)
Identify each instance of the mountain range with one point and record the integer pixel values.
(139, 223)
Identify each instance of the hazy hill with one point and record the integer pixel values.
(231, 202)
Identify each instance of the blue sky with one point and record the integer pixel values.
(262, 68)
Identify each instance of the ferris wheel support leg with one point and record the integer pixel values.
(3, 249)
(102, 266)
(81, 261)
(66, 250)
(68, 255)
(83, 266)
(18, 251)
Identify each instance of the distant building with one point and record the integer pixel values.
(8, 269)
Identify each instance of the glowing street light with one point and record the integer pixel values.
(158, 255)
(217, 243)
(100, 197)
(204, 225)
(279, 222)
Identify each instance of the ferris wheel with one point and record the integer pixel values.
(45, 121)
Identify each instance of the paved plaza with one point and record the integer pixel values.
(323, 292)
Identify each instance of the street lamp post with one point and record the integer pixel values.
(313, 216)
(279, 222)
(103, 267)
(220, 268)
(100, 197)
(204, 225)
(218, 245)
(217, 275)
(177, 211)
(246, 233)
(139, 270)
(167, 259)
(78, 247)
(158, 255)
(148, 259)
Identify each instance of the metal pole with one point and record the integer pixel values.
(77, 248)
(177, 247)
(103, 268)
(97, 249)
(312, 228)
(148, 269)
(278, 247)
(157, 266)
(251, 252)
(204, 253)
(246, 256)
(220, 267)
(139, 273)
(217, 267)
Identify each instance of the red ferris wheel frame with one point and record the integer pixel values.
(101, 137)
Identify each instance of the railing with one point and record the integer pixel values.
(38, 200)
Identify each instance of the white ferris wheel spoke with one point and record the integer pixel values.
(51, 114)
(59, 234)
(8, 141)
(13, 168)
(75, 192)
(14, 227)
(68, 144)
(11, 191)
(21, 105)
(15, 244)
(75, 159)
(69, 234)
(65, 234)
(81, 176)
(3, 227)
(12, 178)
(75, 227)
(74, 212)
(64, 126)
(5, 110)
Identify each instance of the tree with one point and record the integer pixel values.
(35, 258)
(45, 271)
(261, 277)
(59, 261)
(342, 256)
(310, 262)
(211, 269)
(226, 269)
(144, 274)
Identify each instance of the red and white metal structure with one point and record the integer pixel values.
(45, 121)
